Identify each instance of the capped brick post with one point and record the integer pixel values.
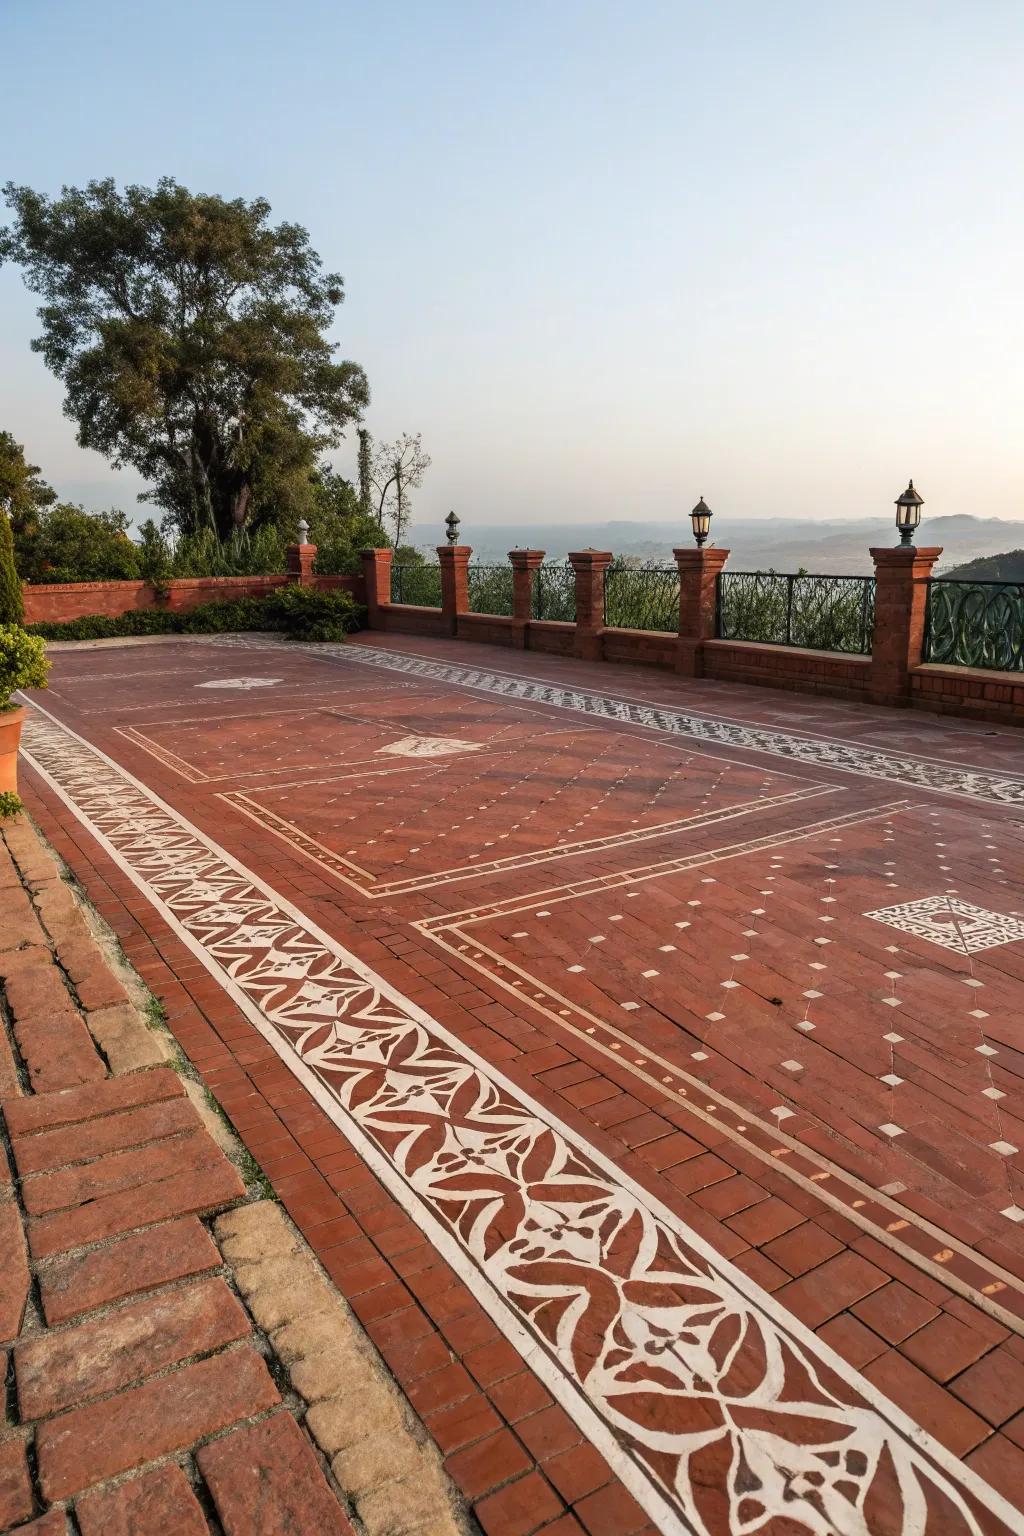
(589, 566)
(300, 559)
(454, 561)
(524, 563)
(377, 571)
(901, 600)
(698, 601)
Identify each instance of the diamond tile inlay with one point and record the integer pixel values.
(952, 923)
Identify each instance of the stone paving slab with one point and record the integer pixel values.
(575, 976)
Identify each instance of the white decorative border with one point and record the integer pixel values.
(615, 1303)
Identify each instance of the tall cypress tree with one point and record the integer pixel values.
(12, 608)
(365, 485)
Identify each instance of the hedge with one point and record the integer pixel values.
(302, 613)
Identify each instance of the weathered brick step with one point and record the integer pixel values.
(75, 1105)
(186, 1194)
(93, 1443)
(159, 1503)
(265, 1480)
(65, 1146)
(61, 1370)
(87, 1182)
(172, 1250)
(55, 1044)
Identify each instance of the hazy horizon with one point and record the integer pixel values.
(605, 260)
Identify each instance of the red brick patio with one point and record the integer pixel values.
(641, 1057)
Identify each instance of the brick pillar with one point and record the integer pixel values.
(454, 560)
(698, 600)
(299, 565)
(524, 563)
(901, 597)
(377, 574)
(589, 566)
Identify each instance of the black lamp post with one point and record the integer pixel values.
(908, 513)
(700, 521)
(452, 524)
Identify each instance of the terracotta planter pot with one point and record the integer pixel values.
(10, 735)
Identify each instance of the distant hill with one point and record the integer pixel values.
(1008, 567)
(757, 544)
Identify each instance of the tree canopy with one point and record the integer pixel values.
(24, 494)
(190, 335)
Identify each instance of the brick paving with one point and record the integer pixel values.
(762, 983)
(142, 1397)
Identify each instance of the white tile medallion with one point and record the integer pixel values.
(427, 746)
(243, 684)
(952, 923)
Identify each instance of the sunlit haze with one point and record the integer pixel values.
(606, 258)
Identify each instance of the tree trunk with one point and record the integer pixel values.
(240, 507)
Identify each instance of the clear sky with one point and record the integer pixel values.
(604, 257)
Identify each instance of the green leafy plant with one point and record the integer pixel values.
(10, 804)
(11, 607)
(306, 613)
(23, 663)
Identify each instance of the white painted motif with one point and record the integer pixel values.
(952, 923)
(242, 684)
(717, 1409)
(428, 746)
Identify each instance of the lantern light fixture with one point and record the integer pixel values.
(303, 531)
(700, 521)
(452, 524)
(908, 513)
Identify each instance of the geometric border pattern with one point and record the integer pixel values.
(716, 1407)
(820, 752)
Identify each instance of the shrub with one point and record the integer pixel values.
(11, 607)
(23, 662)
(305, 613)
(10, 804)
(302, 613)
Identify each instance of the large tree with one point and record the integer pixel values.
(190, 335)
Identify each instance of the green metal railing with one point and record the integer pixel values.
(642, 598)
(821, 613)
(554, 593)
(418, 584)
(490, 589)
(975, 624)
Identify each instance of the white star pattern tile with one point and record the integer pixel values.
(952, 923)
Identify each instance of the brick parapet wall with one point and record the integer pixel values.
(60, 602)
(793, 667)
(894, 675)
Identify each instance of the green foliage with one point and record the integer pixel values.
(71, 544)
(23, 662)
(256, 553)
(340, 528)
(190, 335)
(23, 491)
(302, 613)
(306, 613)
(12, 609)
(10, 804)
(154, 555)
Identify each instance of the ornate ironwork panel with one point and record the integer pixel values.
(976, 624)
(490, 589)
(418, 584)
(642, 598)
(821, 613)
(554, 593)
